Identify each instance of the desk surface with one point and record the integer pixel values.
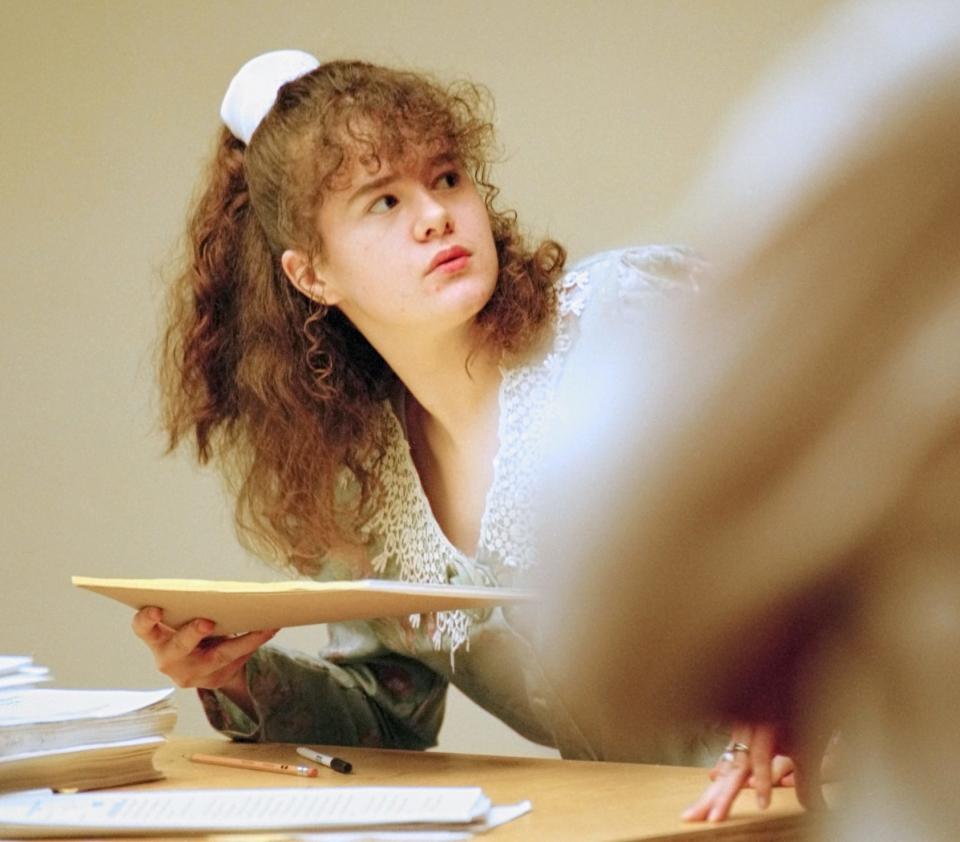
(573, 801)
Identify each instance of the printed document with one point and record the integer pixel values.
(41, 813)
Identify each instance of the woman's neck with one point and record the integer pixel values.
(453, 384)
(452, 419)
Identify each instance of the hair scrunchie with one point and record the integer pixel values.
(253, 90)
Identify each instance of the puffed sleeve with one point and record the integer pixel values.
(628, 284)
(355, 693)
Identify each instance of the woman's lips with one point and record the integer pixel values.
(450, 260)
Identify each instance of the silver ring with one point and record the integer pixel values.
(730, 750)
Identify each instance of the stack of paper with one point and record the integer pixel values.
(20, 671)
(81, 739)
(227, 810)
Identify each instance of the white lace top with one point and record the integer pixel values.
(413, 546)
(383, 682)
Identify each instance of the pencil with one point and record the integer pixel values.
(255, 765)
(338, 764)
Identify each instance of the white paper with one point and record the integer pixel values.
(497, 816)
(116, 745)
(206, 811)
(23, 677)
(12, 663)
(28, 707)
(504, 813)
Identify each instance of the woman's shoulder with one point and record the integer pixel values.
(656, 265)
(624, 280)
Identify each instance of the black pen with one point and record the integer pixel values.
(335, 763)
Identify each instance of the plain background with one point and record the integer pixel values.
(606, 112)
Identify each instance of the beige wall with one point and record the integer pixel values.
(605, 111)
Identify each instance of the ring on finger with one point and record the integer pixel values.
(730, 751)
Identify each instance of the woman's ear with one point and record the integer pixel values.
(301, 273)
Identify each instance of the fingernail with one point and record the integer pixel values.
(763, 800)
(204, 626)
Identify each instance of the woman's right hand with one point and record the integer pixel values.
(189, 657)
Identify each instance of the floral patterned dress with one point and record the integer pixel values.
(383, 683)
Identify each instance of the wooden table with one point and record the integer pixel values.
(573, 801)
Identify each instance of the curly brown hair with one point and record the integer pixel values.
(285, 397)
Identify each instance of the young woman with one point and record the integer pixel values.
(367, 348)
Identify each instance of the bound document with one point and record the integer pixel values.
(81, 739)
(86, 766)
(248, 606)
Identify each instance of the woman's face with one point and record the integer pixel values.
(408, 250)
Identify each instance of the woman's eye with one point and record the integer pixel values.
(384, 203)
(449, 179)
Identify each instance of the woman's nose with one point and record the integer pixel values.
(433, 219)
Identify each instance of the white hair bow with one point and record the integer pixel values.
(253, 90)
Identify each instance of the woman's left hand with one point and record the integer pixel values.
(781, 771)
(756, 756)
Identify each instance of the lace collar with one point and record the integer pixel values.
(413, 546)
